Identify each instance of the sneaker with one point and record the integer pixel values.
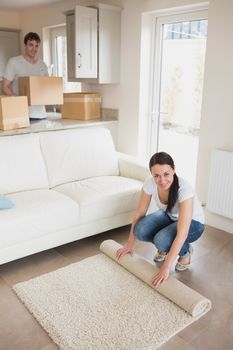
(182, 267)
(160, 256)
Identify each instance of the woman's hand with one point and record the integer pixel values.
(161, 276)
(127, 249)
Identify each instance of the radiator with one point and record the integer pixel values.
(220, 191)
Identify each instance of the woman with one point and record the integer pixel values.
(179, 220)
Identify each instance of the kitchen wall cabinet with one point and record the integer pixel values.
(85, 42)
(93, 44)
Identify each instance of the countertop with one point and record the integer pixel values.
(54, 122)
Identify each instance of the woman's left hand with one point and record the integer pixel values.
(160, 277)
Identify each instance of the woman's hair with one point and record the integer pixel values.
(163, 158)
(30, 37)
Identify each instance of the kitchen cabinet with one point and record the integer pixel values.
(85, 42)
(81, 34)
(93, 44)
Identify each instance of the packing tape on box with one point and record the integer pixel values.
(81, 99)
(15, 120)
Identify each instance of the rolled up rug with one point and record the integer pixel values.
(183, 296)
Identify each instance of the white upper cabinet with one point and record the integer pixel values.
(85, 42)
(93, 44)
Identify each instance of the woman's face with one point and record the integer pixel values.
(163, 175)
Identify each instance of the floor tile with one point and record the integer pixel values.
(213, 238)
(50, 346)
(18, 328)
(32, 266)
(218, 335)
(77, 250)
(175, 343)
(89, 246)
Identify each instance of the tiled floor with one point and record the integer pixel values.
(211, 274)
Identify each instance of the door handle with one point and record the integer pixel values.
(79, 60)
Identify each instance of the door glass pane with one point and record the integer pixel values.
(60, 59)
(182, 70)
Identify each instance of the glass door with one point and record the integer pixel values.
(179, 71)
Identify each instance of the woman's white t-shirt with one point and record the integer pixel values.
(185, 191)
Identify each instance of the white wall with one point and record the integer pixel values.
(9, 19)
(217, 105)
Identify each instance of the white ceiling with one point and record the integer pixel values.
(20, 4)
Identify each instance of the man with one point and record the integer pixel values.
(25, 65)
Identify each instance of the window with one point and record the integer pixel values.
(58, 66)
(186, 30)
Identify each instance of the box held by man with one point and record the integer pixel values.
(42, 90)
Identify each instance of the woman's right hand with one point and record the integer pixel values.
(127, 249)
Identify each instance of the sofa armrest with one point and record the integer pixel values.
(132, 167)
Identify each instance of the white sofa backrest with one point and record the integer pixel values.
(72, 155)
(21, 164)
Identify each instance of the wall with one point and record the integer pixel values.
(9, 19)
(217, 106)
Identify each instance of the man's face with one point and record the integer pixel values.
(32, 48)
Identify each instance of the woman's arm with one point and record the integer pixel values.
(184, 221)
(141, 211)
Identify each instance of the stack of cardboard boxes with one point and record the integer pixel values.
(35, 91)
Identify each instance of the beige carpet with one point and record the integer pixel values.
(97, 304)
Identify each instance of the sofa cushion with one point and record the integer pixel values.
(36, 213)
(80, 154)
(21, 164)
(5, 203)
(103, 197)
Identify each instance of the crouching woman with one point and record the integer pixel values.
(178, 222)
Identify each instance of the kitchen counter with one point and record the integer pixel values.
(55, 122)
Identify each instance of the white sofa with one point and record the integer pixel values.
(65, 185)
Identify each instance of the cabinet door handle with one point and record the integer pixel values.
(79, 60)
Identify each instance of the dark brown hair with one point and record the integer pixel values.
(31, 36)
(163, 158)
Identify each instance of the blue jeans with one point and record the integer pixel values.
(159, 229)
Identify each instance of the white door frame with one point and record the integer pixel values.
(56, 31)
(150, 72)
(155, 112)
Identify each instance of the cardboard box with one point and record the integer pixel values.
(13, 112)
(81, 106)
(42, 90)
